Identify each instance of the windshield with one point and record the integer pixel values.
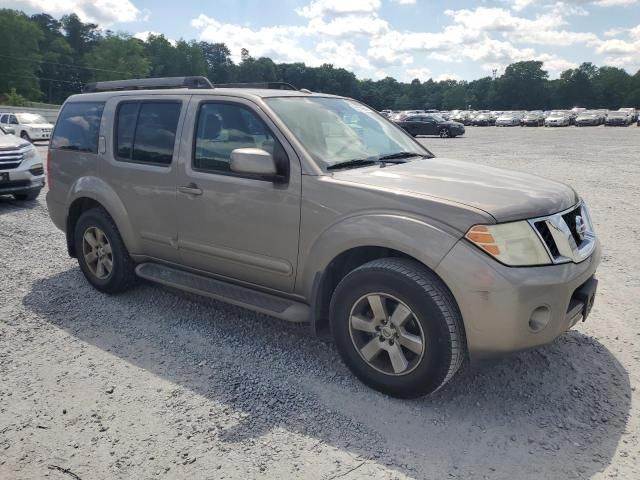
(337, 130)
(30, 118)
(436, 117)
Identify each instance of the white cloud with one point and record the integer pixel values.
(447, 76)
(567, 5)
(281, 43)
(623, 53)
(405, 2)
(102, 12)
(330, 8)
(352, 34)
(421, 74)
(341, 54)
(349, 25)
(541, 30)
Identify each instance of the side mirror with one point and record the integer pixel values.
(253, 161)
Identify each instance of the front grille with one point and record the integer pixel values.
(567, 236)
(15, 184)
(9, 166)
(547, 238)
(10, 159)
(570, 220)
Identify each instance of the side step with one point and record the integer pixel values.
(268, 304)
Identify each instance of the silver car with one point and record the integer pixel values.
(314, 208)
(21, 169)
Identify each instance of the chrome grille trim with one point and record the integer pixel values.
(568, 248)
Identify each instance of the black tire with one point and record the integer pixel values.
(30, 195)
(434, 308)
(444, 132)
(122, 276)
(25, 136)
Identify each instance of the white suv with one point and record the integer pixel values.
(21, 168)
(28, 126)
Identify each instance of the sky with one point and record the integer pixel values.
(405, 39)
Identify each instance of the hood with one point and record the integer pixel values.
(39, 125)
(504, 194)
(451, 123)
(11, 142)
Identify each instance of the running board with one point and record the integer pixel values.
(268, 304)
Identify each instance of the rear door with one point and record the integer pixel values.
(141, 166)
(230, 224)
(412, 125)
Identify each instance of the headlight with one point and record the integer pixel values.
(514, 244)
(29, 152)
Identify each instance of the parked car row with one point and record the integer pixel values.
(579, 117)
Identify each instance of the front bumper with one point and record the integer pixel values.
(21, 186)
(39, 136)
(27, 176)
(497, 302)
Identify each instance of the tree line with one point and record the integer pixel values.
(48, 59)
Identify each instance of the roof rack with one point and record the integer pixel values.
(148, 84)
(267, 85)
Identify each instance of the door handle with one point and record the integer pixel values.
(191, 189)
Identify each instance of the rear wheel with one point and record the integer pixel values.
(102, 255)
(397, 327)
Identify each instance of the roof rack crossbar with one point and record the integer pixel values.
(267, 85)
(148, 84)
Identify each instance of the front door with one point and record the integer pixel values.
(429, 126)
(230, 224)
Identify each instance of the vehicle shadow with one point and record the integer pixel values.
(556, 412)
(9, 205)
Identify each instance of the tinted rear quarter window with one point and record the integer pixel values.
(78, 127)
(146, 131)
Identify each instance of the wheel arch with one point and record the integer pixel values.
(344, 248)
(92, 192)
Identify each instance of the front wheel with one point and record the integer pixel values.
(444, 133)
(397, 327)
(25, 136)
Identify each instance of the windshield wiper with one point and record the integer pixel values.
(360, 162)
(399, 155)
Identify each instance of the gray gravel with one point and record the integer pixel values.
(156, 383)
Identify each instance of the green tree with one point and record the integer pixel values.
(522, 86)
(161, 55)
(117, 57)
(57, 68)
(611, 87)
(19, 38)
(189, 59)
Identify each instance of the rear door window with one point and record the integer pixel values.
(78, 127)
(146, 131)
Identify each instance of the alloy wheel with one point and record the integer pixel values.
(97, 252)
(386, 334)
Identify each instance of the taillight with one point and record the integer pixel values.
(47, 165)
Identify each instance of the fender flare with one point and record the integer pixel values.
(425, 242)
(98, 190)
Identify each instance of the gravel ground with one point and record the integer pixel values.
(156, 383)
